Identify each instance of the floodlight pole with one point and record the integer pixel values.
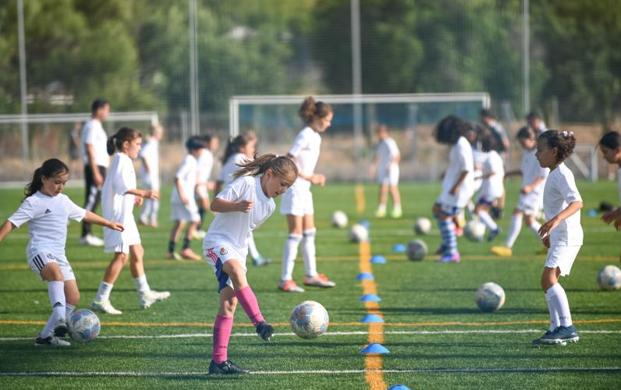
(526, 55)
(22, 79)
(356, 73)
(194, 112)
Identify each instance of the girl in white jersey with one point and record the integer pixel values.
(150, 175)
(386, 163)
(119, 195)
(241, 207)
(46, 210)
(457, 185)
(492, 187)
(561, 233)
(297, 203)
(239, 151)
(205, 167)
(531, 192)
(610, 145)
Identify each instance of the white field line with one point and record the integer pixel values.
(190, 374)
(344, 333)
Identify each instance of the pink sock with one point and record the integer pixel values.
(221, 335)
(249, 302)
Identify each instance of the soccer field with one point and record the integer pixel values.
(436, 335)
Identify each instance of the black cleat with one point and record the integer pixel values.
(51, 341)
(265, 330)
(61, 329)
(227, 367)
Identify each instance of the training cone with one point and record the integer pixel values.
(398, 387)
(372, 318)
(378, 259)
(370, 298)
(399, 248)
(377, 349)
(365, 276)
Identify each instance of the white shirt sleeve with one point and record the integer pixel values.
(183, 169)
(567, 186)
(24, 213)
(74, 211)
(123, 177)
(465, 156)
(234, 191)
(299, 144)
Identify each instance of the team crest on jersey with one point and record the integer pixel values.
(223, 251)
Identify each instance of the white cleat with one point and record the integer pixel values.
(51, 341)
(150, 297)
(105, 307)
(91, 240)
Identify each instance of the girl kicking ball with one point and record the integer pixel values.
(46, 210)
(241, 207)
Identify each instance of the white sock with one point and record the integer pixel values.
(487, 220)
(381, 207)
(514, 230)
(558, 298)
(535, 226)
(252, 247)
(309, 252)
(141, 284)
(103, 293)
(289, 255)
(56, 294)
(554, 320)
(69, 308)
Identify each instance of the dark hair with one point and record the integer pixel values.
(234, 146)
(563, 141)
(486, 113)
(282, 166)
(526, 133)
(533, 115)
(311, 110)
(488, 141)
(195, 142)
(97, 104)
(50, 168)
(115, 142)
(611, 140)
(450, 128)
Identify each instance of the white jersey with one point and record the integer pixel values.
(151, 154)
(305, 150)
(205, 166)
(531, 170)
(117, 205)
(234, 228)
(493, 186)
(560, 190)
(47, 222)
(186, 175)
(460, 159)
(94, 134)
(231, 166)
(387, 151)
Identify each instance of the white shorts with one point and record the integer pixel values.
(529, 204)
(201, 191)
(389, 176)
(186, 213)
(40, 259)
(150, 183)
(119, 242)
(297, 201)
(563, 257)
(216, 256)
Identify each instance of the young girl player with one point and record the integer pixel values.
(241, 207)
(46, 210)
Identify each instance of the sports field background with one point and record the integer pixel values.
(436, 335)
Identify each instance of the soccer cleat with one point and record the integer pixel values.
(199, 234)
(227, 367)
(502, 251)
(548, 338)
(496, 212)
(150, 297)
(61, 329)
(493, 234)
(174, 256)
(51, 341)
(319, 280)
(566, 334)
(452, 258)
(189, 254)
(260, 261)
(396, 213)
(105, 307)
(380, 213)
(290, 286)
(265, 330)
(91, 240)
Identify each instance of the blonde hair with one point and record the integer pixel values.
(282, 166)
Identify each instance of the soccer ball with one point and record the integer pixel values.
(609, 278)
(339, 219)
(422, 226)
(84, 325)
(309, 319)
(358, 233)
(490, 297)
(417, 249)
(474, 230)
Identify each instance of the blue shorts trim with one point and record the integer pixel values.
(223, 277)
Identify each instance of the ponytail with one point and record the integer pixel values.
(115, 142)
(282, 166)
(50, 168)
(311, 110)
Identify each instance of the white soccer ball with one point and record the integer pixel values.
(609, 278)
(422, 226)
(309, 319)
(417, 250)
(490, 297)
(358, 233)
(84, 325)
(474, 230)
(339, 219)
